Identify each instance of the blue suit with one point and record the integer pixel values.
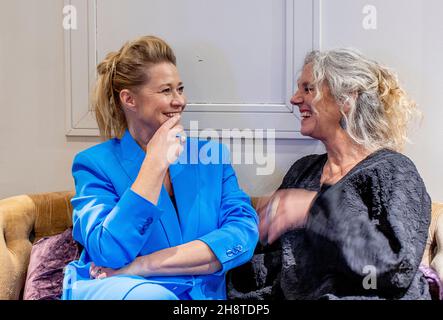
(115, 225)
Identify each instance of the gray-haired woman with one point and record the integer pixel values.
(351, 223)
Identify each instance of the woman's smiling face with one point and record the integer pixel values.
(318, 118)
(162, 97)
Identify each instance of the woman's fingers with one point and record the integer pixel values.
(171, 122)
(175, 132)
(167, 143)
(105, 272)
(94, 270)
(102, 276)
(100, 272)
(292, 212)
(287, 209)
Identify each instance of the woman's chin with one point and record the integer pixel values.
(306, 132)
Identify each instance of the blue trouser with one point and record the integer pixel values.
(123, 288)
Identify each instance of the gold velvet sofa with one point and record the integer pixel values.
(26, 218)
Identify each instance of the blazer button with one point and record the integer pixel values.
(238, 248)
(141, 229)
(229, 253)
(148, 221)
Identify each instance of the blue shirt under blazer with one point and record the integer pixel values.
(115, 225)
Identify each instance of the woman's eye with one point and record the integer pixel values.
(309, 89)
(181, 89)
(166, 91)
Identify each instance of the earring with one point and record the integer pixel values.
(343, 123)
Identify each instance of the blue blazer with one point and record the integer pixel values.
(115, 225)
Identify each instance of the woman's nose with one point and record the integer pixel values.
(178, 100)
(296, 98)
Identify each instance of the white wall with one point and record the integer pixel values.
(408, 39)
(36, 155)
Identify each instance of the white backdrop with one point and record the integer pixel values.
(36, 155)
(238, 59)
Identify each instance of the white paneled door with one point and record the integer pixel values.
(238, 59)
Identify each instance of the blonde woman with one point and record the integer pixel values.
(351, 223)
(152, 225)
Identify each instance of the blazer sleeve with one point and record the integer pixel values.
(234, 241)
(384, 236)
(112, 229)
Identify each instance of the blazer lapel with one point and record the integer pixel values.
(185, 181)
(131, 158)
(169, 219)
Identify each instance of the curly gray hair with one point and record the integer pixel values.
(379, 109)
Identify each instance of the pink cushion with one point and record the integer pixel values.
(45, 271)
(435, 285)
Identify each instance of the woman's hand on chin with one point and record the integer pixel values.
(162, 150)
(165, 146)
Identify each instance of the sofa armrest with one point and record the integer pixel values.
(17, 218)
(20, 216)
